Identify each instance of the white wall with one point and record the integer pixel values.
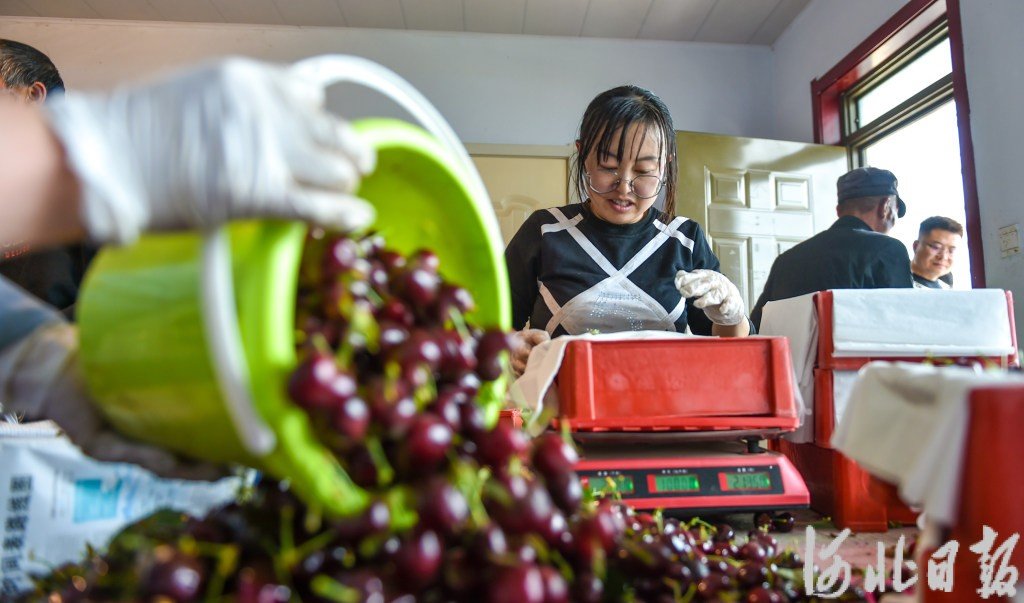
(820, 36)
(492, 88)
(993, 48)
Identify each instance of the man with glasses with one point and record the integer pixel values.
(937, 240)
(854, 253)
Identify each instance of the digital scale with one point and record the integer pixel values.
(675, 423)
(698, 477)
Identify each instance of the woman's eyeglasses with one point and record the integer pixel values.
(643, 186)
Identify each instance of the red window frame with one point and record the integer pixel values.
(903, 28)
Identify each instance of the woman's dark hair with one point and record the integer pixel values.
(617, 109)
(21, 65)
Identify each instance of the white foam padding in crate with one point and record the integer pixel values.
(920, 322)
(794, 319)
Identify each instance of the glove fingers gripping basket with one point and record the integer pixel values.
(187, 339)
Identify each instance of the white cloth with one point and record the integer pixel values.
(796, 319)
(907, 423)
(911, 322)
(533, 392)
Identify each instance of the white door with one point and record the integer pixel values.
(756, 198)
(521, 179)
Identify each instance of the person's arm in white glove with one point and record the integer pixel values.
(40, 379)
(718, 298)
(232, 139)
(523, 343)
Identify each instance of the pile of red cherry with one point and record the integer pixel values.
(389, 374)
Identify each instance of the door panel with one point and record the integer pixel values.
(733, 255)
(756, 198)
(521, 180)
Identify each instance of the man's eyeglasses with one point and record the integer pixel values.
(939, 247)
(643, 186)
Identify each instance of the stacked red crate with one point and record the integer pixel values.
(991, 490)
(839, 487)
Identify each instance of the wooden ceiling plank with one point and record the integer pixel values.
(490, 16)
(734, 21)
(380, 14)
(546, 18)
(615, 18)
(433, 15)
(256, 12)
(312, 13)
(676, 20)
(777, 22)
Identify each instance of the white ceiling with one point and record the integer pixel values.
(757, 22)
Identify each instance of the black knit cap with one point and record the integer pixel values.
(869, 182)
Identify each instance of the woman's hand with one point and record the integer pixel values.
(716, 295)
(523, 343)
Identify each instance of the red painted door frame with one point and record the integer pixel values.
(911, 21)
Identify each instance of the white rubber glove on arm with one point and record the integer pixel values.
(714, 293)
(523, 343)
(230, 139)
(40, 380)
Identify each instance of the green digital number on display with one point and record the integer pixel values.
(748, 481)
(676, 483)
(623, 484)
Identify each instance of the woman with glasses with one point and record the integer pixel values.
(615, 262)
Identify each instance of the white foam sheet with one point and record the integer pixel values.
(795, 319)
(920, 322)
(907, 423)
(842, 385)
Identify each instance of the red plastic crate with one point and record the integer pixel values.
(512, 417)
(826, 346)
(991, 489)
(827, 363)
(678, 384)
(842, 490)
(824, 407)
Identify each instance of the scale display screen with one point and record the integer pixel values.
(747, 481)
(676, 483)
(690, 483)
(608, 484)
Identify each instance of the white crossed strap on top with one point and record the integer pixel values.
(616, 303)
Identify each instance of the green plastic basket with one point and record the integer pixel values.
(187, 339)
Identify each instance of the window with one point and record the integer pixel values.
(902, 117)
(897, 102)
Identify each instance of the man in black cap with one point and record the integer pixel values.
(854, 253)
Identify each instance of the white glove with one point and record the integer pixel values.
(40, 380)
(523, 343)
(716, 295)
(231, 139)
